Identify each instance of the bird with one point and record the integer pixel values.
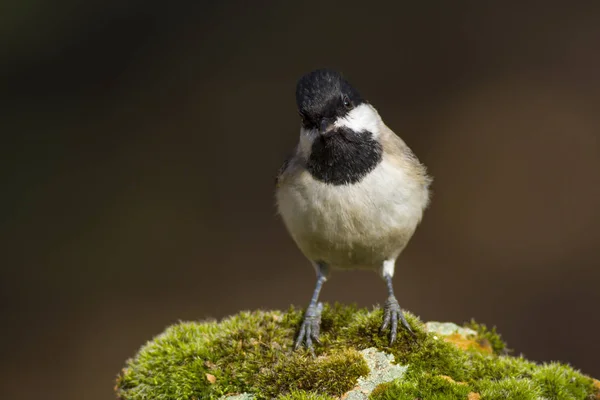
(351, 194)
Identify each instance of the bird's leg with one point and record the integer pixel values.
(392, 311)
(311, 324)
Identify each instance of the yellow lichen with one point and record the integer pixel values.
(597, 387)
(469, 344)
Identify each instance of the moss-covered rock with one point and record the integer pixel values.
(249, 356)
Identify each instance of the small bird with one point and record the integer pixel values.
(351, 195)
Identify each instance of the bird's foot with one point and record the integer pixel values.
(311, 325)
(391, 314)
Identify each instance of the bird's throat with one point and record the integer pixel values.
(343, 157)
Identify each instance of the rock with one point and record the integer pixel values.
(462, 337)
(249, 356)
(382, 370)
(449, 328)
(242, 396)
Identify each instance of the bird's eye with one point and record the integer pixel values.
(347, 103)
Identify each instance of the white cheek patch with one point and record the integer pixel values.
(307, 137)
(362, 118)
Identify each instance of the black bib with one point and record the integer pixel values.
(343, 157)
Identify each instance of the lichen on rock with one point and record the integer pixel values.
(249, 356)
(381, 370)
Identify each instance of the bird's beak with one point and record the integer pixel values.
(325, 125)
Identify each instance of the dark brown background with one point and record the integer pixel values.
(141, 139)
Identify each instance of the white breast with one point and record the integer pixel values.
(353, 226)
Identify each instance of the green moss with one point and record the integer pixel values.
(509, 388)
(551, 381)
(335, 374)
(251, 352)
(423, 386)
(302, 395)
(485, 366)
(561, 382)
(491, 336)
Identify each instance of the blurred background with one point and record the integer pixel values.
(140, 140)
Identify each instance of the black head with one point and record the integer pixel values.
(322, 96)
(339, 155)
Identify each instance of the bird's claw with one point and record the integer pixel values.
(311, 326)
(392, 313)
